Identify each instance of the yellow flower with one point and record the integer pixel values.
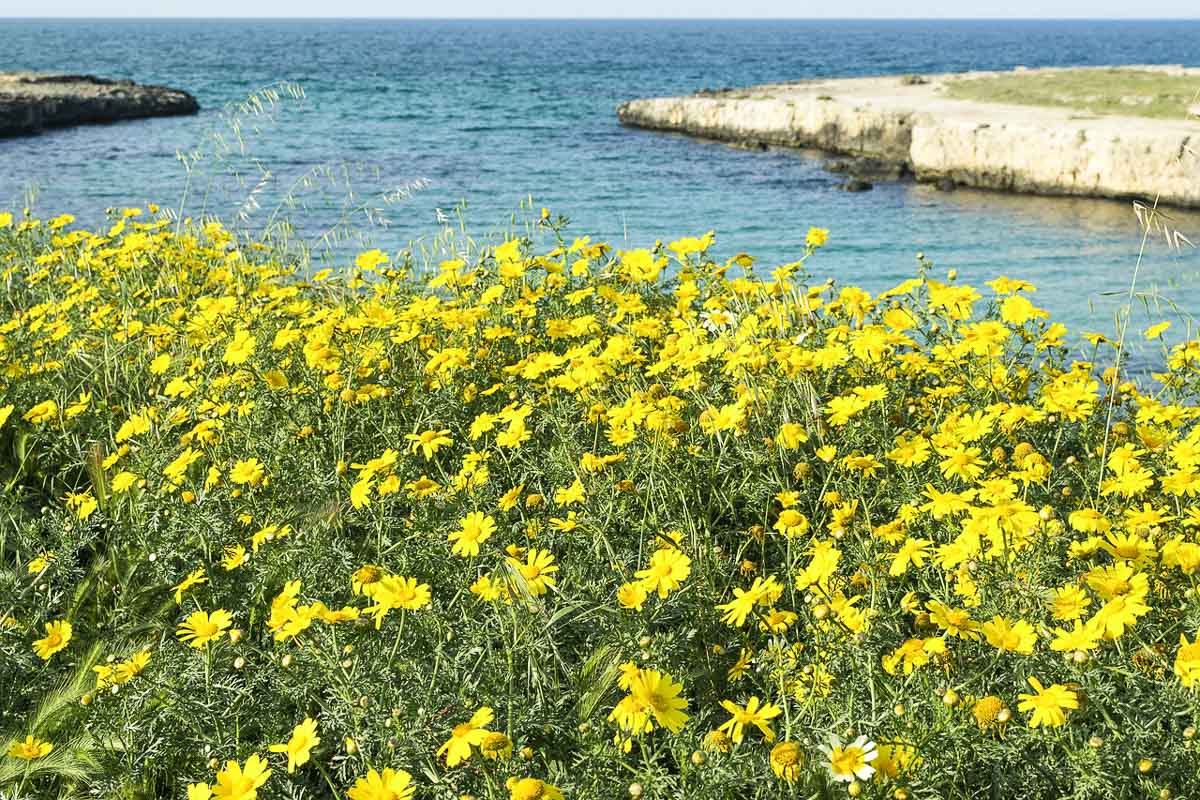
(132, 667)
(1156, 331)
(1049, 704)
(299, 747)
(531, 789)
(360, 492)
(58, 635)
(1081, 637)
(961, 462)
(537, 570)
(913, 551)
(508, 501)
(791, 523)
(763, 592)
(237, 783)
(122, 481)
(82, 503)
(474, 528)
(1017, 637)
(29, 749)
(986, 709)
(247, 472)
(487, 589)
(364, 576)
(841, 410)
(787, 758)
(1187, 662)
(893, 760)
(370, 260)
(388, 785)
(1068, 603)
(44, 411)
(632, 595)
(240, 348)
(1089, 520)
(429, 442)
(466, 735)
(1017, 310)
(716, 741)
(753, 714)
(496, 746)
(913, 654)
(80, 405)
(570, 494)
(660, 696)
(194, 578)
(391, 592)
(40, 562)
(668, 569)
(234, 557)
(160, 364)
(201, 628)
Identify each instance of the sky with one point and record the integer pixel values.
(813, 9)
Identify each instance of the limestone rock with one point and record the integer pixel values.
(31, 102)
(918, 130)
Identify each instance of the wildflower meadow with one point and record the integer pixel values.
(545, 518)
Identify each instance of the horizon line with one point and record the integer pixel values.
(410, 18)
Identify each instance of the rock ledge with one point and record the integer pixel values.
(31, 102)
(916, 127)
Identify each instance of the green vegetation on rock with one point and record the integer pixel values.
(1126, 92)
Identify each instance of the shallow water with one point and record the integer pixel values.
(491, 112)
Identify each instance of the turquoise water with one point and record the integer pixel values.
(491, 112)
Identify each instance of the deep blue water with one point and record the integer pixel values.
(492, 112)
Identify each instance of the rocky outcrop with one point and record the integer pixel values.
(31, 102)
(912, 124)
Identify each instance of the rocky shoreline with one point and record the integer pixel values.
(31, 102)
(905, 126)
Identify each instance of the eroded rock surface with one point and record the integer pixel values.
(1040, 150)
(31, 102)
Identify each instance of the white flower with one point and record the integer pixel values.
(847, 762)
(714, 321)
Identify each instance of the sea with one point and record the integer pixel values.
(399, 129)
